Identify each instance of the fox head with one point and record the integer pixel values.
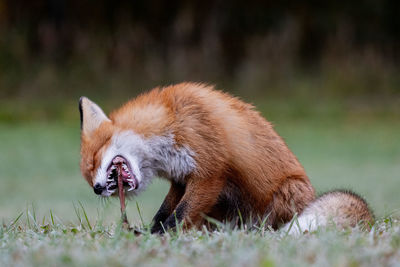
(104, 148)
(136, 140)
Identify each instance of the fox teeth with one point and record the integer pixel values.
(130, 189)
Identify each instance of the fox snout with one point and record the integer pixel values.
(98, 189)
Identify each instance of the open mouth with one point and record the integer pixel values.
(120, 166)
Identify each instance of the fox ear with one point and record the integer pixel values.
(91, 115)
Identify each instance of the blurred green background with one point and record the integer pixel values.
(326, 74)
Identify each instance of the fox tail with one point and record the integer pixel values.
(341, 208)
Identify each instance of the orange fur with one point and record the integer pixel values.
(240, 159)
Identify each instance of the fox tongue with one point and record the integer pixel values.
(125, 175)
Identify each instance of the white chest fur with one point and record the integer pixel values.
(149, 157)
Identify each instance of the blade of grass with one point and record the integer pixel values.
(241, 219)
(140, 214)
(86, 217)
(217, 223)
(14, 222)
(27, 218)
(177, 225)
(78, 215)
(162, 225)
(291, 223)
(298, 225)
(261, 228)
(34, 221)
(34, 213)
(52, 219)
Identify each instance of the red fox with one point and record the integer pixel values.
(222, 158)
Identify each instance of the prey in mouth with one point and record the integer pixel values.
(120, 166)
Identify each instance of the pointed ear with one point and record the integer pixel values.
(91, 115)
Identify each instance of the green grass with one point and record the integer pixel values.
(40, 179)
(50, 243)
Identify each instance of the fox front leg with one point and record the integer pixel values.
(169, 204)
(199, 198)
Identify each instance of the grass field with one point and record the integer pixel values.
(40, 179)
(55, 244)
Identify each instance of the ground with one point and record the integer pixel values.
(77, 245)
(62, 222)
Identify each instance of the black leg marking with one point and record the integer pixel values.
(170, 203)
(161, 215)
(176, 216)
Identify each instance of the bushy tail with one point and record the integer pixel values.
(342, 208)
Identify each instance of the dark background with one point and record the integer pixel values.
(333, 55)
